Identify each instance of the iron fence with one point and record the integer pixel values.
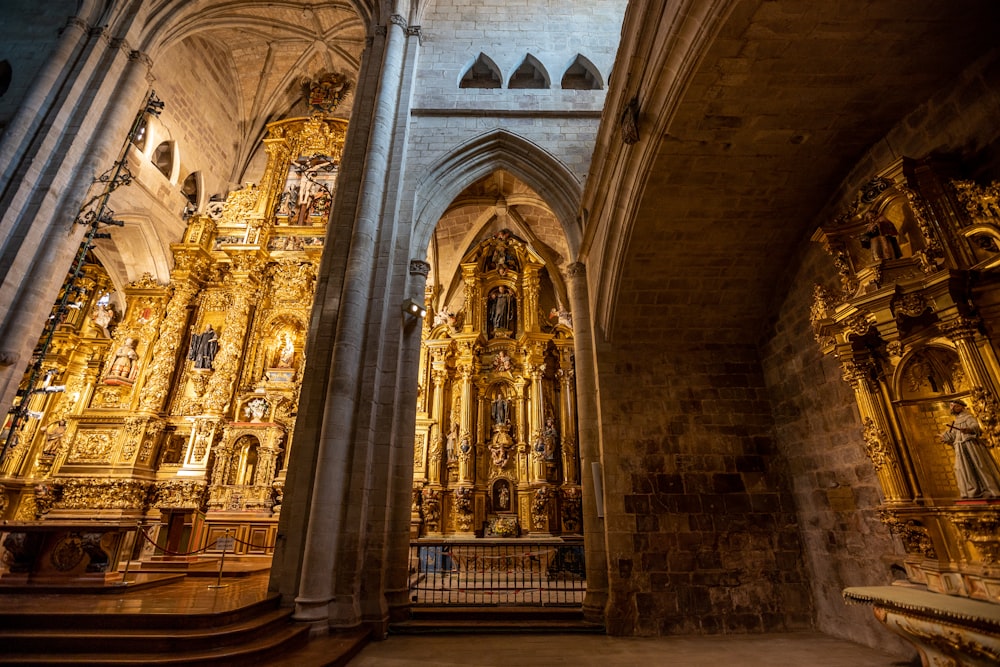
(507, 572)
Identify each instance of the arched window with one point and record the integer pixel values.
(483, 73)
(582, 75)
(191, 189)
(163, 158)
(530, 74)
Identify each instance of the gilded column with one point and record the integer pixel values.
(439, 378)
(567, 377)
(165, 349)
(536, 417)
(466, 446)
(880, 445)
(529, 298)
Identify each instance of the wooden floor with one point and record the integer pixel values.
(190, 595)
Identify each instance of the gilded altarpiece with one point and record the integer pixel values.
(179, 401)
(914, 324)
(495, 452)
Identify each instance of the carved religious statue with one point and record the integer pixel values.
(124, 365)
(976, 471)
(204, 347)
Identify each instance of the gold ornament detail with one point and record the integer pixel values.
(92, 493)
(180, 494)
(987, 411)
(876, 444)
(983, 530)
(93, 446)
(914, 535)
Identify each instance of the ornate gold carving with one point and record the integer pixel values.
(858, 325)
(876, 444)
(93, 446)
(981, 528)
(910, 305)
(915, 538)
(981, 203)
(987, 410)
(93, 493)
(180, 494)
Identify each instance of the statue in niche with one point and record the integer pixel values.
(500, 411)
(881, 236)
(451, 443)
(124, 365)
(256, 408)
(204, 347)
(550, 437)
(502, 499)
(103, 315)
(501, 310)
(976, 471)
(287, 352)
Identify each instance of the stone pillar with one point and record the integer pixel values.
(590, 444)
(42, 240)
(34, 106)
(331, 539)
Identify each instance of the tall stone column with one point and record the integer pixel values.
(590, 444)
(40, 242)
(34, 106)
(332, 539)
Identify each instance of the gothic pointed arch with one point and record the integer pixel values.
(530, 74)
(481, 73)
(582, 75)
(483, 155)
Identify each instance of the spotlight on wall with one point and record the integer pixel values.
(413, 309)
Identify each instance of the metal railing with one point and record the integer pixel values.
(486, 572)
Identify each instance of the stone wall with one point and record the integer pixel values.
(701, 527)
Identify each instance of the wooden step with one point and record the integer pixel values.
(248, 635)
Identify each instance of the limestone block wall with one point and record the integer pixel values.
(201, 112)
(701, 528)
(563, 123)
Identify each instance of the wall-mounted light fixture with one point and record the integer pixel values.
(413, 309)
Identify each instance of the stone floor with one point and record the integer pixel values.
(774, 650)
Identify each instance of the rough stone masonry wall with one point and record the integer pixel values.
(701, 527)
(836, 491)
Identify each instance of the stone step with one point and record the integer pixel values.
(441, 620)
